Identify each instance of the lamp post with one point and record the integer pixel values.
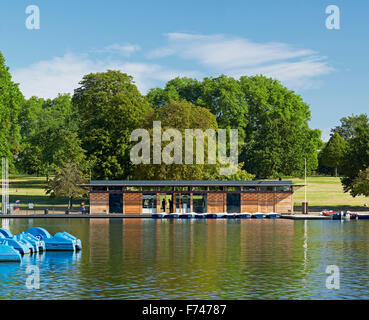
(305, 209)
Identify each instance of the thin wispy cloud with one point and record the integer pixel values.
(237, 56)
(62, 74)
(210, 55)
(125, 50)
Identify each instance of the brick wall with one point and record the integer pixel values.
(216, 202)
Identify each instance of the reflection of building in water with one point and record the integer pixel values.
(99, 241)
(5, 223)
(132, 239)
(148, 196)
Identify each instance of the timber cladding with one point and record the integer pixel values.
(99, 203)
(132, 203)
(267, 202)
(216, 202)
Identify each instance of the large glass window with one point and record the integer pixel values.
(284, 189)
(185, 203)
(149, 203)
(267, 189)
(199, 203)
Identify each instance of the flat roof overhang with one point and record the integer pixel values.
(190, 183)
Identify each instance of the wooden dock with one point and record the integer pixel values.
(313, 216)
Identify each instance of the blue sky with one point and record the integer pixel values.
(157, 40)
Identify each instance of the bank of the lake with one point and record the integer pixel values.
(207, 259)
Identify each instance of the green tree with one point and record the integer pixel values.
(223, 96)
(66, 182)
(109, 108)
(46, 125)
(333, 153)
(356, 162)
(360, 185)
(347, 129)
(11, 101)
(180, 115)
(278, 135)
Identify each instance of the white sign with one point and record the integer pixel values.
(30, 205)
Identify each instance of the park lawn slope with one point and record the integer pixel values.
(326, 192)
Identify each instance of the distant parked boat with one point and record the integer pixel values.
(8, 253)
(258, 215)
(362, 216)
(327, 213)
(171, 216)
(200, 216)
(243, 215)
(214, 215)
(61, 241)
(158, 215)
(229, 215)
(273, 215)
(187, 215)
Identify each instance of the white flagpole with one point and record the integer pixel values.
(305, 182)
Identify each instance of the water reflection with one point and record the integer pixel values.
(195, 259)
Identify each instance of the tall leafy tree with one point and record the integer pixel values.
(66, 182)
(11, 101)
(180, 115)
(333, 153)
(278, 135)
(356, 162)
(222, 95)
(348, 126)
(109, 107)
(45, 126)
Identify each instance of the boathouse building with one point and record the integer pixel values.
(154, 196)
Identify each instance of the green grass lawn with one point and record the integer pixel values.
(323, 192)
(30, 189)
(326, 192)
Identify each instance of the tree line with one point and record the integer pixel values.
(87, 135)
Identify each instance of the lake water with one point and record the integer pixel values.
(195, 259)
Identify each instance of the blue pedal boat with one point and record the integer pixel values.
(273, 216)
(61, 241)
(258, 215)
(229, 215)
(243, 216)
(214, 215)
(22, 246)
(158, 215)
(34, 244)
(38, 245)
(8, 253)
(200, 216)
(187, 216)
(172, 216)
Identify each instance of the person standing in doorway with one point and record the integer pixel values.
(164, 204)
